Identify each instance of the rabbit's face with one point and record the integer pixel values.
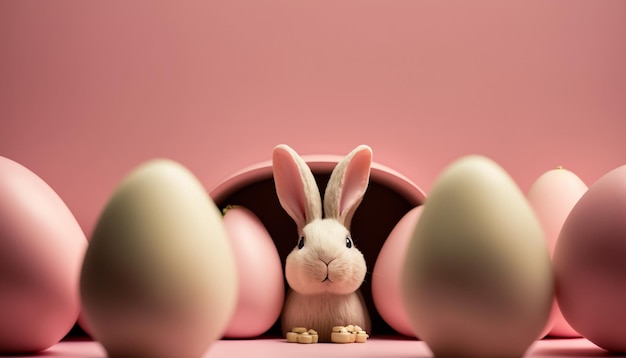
(325, 260)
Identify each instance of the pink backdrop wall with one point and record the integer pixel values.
(88, 90)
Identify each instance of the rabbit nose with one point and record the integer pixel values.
(326, 260)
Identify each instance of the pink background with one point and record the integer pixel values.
(373, 348)
(88, 90)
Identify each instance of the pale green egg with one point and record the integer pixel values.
(477, 279)
(159, 277)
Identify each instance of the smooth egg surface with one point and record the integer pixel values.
(261, 290)
(159, 277)
(590, 263)
(41, 252)
(387, 272)
(552, 196)
(477, 279)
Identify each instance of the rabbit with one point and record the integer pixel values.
(325, 269)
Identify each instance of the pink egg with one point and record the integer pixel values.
(590, 263)
(552, 196)
(261, 282)
(387, 272)
(41, 252)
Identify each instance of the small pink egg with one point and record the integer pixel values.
(552, 196)
(41, 252)
(261, 283)
(590, 263)
(386, 291)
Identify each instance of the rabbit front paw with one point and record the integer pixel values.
(302, 335)
(348, 334)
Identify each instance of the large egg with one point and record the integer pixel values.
(159, 277)
(386, 286)
(590, 263)
(41, 251)
(552, 197)
(477, 278)
(261, 289)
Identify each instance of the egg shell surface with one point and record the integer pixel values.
(477, 279)
(387, 273)
(261, 290)
(552, 197)
(159, 277)
(590, 263)
(41, 252)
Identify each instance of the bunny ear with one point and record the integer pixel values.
(347, 185)
(295, 186)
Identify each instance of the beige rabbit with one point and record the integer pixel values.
(325, 269)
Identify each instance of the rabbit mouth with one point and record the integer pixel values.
(327, 279)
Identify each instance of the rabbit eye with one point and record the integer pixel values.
(348, 242)
(301, 243)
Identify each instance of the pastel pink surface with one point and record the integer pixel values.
(552, 197)
(41, 252)
(590, 263)
(373, 348)
(91, 89)
(386, 290)
(261, 291)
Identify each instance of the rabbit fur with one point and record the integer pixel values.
(325, 269)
